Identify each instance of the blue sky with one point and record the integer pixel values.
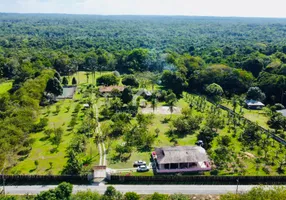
(245, 8)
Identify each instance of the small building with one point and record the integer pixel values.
(181, 159)
(253, 104)
(283, 112)
(68, 92)
(110, 89)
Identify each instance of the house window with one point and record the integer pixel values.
(174, 166)
(183, 165)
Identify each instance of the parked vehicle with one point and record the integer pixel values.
(139, 163)
(142, 168)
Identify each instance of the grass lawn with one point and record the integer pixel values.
(5, 86)
(243, 159)
(42, 149)
(81, 77)
(253, 115)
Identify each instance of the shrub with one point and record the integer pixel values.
(40, 126)
(87, 195)
(107, 79)
(131, 196)
(179, 197)
(130, 80)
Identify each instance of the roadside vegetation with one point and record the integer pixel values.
(64, 191)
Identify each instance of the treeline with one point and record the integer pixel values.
(19, 113)
(234, 53)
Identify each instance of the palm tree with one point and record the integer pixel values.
(234, 103)
(171, 101)
(154, 102)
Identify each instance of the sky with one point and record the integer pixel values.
(239, 8)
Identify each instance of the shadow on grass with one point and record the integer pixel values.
(54, 150)
(120, 158)
(23, 158)
(175, 135)
(32, 170)
(165, 120)
(44, 138)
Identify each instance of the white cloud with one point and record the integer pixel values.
(260, 8)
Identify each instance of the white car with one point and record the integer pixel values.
(139, 163)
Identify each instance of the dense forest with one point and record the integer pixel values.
(188, 53)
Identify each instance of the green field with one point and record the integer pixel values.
(243, 159)
(43, 149)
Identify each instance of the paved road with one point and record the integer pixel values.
(141, 189)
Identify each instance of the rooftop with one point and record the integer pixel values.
(181, 154)
(254, 103)
(283, 112)
(110, 88)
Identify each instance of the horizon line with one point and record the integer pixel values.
(143, 15)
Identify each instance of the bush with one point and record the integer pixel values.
(131, 196)
(278, 106)
(40, 126)
(74, 81)
(24, 152)
(157, 196)
(88, 195)
(130, 80)
(107, 79)
(179, 197)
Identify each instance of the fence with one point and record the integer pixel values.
(42, 179)
(203, 180)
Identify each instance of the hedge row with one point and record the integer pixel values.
(42, 179)
(212, 180)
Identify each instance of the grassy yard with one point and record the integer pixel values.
(243, 161)
(44, 151)
(253, 115)
(5, 86)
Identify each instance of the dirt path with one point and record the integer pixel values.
(101, 146)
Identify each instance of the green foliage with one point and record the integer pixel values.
(127, 95)
(255, 93)
(62, 192)
(107, 80)
(130, 80)
(214, 90)
(157, 196)
(86, 195)
(179, 197)
(277, 121)
(40, 126)
(112, 194)
(131, 196)
(258, 193)
(187, 125)
(54, 87)
(74, 81)
(206, 135)
(250, 134)
(65, 81)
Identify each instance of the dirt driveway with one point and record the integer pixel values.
(162, 110)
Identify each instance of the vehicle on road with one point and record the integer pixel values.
(142, 168)
(139, 163)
